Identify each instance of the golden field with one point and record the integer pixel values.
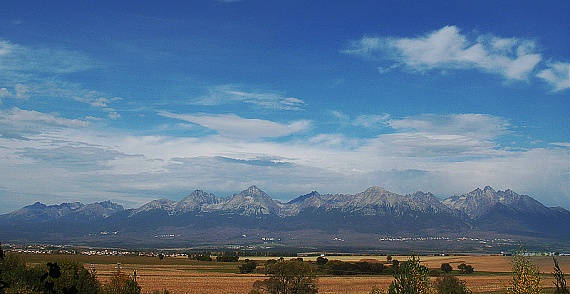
(181, 275)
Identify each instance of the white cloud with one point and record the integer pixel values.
(22, 91)
(447, 48)
(232, 93)
(4, 93)
(561, 144)
(557, 75)
(233, 126)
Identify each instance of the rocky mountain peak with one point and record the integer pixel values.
(196, 201)
(37, 205)
(376, 196)
(252, 201)
(97, 210)
(162, 204)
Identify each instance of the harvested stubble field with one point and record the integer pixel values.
(181, 275)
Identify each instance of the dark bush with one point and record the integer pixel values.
(449, 284)
(248, 266)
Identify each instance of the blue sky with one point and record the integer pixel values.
(138, 100)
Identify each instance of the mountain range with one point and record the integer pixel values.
(203, 219)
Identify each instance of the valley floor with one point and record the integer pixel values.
(181, 275)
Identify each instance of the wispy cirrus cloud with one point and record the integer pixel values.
(16, 58)
(225, 94)
(370, 121)
(447, 48)
(479, 126)
(19, 122)
(233, 126)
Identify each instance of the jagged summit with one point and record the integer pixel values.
(252, 201)
(196, 201)
(302, 198)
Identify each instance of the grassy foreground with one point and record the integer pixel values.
(181, 275)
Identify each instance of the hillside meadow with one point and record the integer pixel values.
(181, 275)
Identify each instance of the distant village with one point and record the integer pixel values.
(243, 249)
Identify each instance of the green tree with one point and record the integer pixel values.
(449, 284)
(526, 275)
(446, 267)
(465, 268)
(560, 282)
(410, 278)
(248, 266)
(322, 261)
(288, 277)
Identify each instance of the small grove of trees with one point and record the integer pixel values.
(227, 257)
(64, 276)
(287, 277)
(61, 277)
(465, 268)
(446, 268)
